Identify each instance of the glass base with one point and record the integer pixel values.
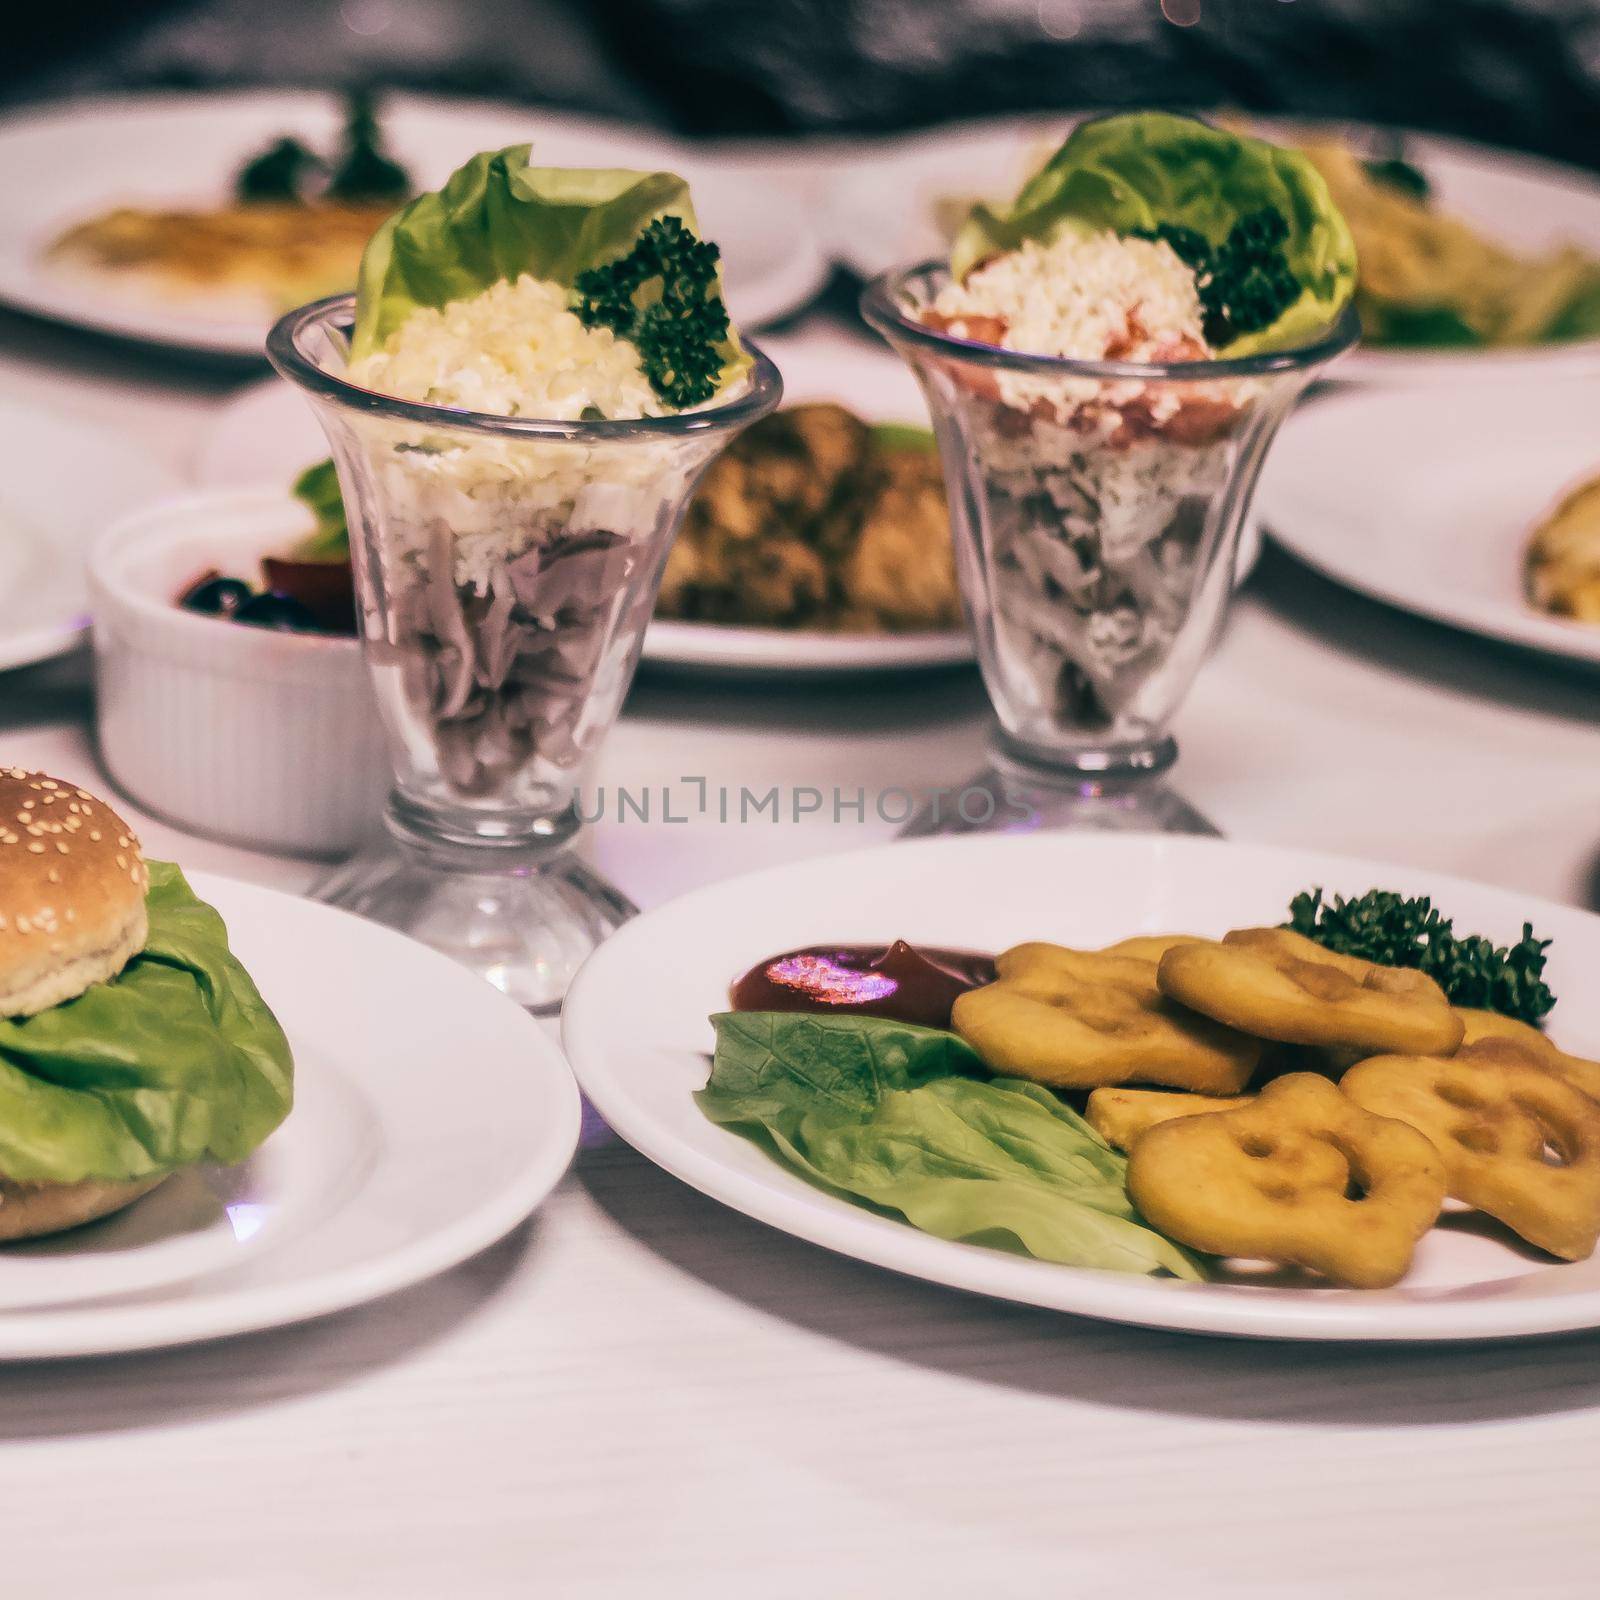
(524, 921)
(1013, 796)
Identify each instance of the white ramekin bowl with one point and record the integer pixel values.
(261, 738)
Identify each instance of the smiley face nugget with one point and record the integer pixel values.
(1080, 1019)
(1302, 1175)
(1280, 985)
(1582, 1074)
(1518, 1141)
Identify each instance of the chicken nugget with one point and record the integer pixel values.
(1081, 1019)
(1119, 1116)
(1280, 985)
(1581, 1073)
(1518, 1142)
(1302, 1175)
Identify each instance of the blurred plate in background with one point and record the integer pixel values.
(1425, 498)
(61, 483)
(65, 164)
(900, 201)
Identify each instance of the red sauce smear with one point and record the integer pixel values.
(899, 982)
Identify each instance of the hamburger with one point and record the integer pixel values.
(132, 1042)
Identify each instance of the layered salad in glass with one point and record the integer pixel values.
(506, 577)
(1151, 250)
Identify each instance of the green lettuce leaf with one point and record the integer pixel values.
(903, 436)
(175, 1060)
(905, 1118)
(1416, 327)
(1579, 318)
(317, 488)
(1146, 169)
(498, 217)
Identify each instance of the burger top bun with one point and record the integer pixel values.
(72, 892)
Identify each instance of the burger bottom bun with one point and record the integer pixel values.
(29, 1210)
(43, 985)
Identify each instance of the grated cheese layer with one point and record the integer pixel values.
(514, 350)
(1092, 296)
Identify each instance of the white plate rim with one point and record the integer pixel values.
(125, 474)
(183, 1314)
(1291, 523)
(714, 647)
(852, 1231)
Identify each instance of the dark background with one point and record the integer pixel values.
(1523, 73)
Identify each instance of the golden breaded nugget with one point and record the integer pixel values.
(1580, 1073)
(1038, 955)
(1079, 1019)
(1119, 1116)
(1302, 1175)
(1517, 1141)
(1151, 946)
(1281, 985)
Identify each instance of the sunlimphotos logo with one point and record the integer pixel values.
(697, 799)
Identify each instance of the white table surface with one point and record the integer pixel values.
(642, 1393)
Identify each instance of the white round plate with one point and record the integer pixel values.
(63, 164)
(1425, 498)
(881, 212)
(432, 1114)
(61, 483)
(640, 1063)
(268, 435)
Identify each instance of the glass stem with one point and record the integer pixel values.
(1128, 795)
(480, 840)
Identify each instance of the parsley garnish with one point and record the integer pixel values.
(656, 296)
(1245, 283)
(280, 172)
(1395, 172)
(1389, 929)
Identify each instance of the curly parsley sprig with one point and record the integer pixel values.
(1244, 283)
(1394, 931)
(657, 297)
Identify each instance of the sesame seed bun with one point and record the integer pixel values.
(72, 894)
(28, 1210)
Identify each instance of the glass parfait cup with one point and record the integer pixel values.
(505, 571)
(1096, 509)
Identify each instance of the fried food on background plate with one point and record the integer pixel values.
(1518, 1142)
(900, 574)
(813, 519)
(742, 554)
(277, 255)
(1302, 1175)
(1082, 1019)
(1119, 1116)
(1561, 570)
(1280, 985)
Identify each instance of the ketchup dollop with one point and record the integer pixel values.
(900, 982)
